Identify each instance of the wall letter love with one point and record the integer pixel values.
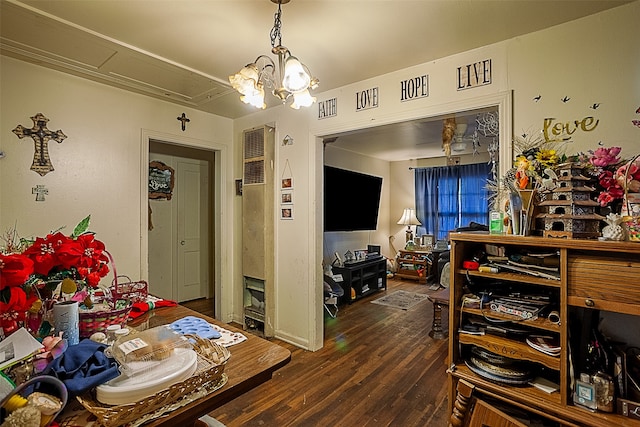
(567, 129)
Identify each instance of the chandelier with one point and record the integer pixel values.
(291, 78)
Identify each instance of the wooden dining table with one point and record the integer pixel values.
(252, 363)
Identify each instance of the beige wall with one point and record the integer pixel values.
(98, 168)
(596, 55)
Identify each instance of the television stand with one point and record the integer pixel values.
(362, 278)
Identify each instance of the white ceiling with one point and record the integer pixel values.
(184, 50)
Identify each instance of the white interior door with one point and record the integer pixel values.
(191, 282)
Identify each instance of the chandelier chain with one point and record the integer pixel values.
(277, 25)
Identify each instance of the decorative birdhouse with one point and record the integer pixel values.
(568, 210)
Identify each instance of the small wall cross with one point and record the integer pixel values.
(183, 118)
(40, 191)
(41, 135)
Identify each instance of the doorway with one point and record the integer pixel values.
(181, 228)
(386, 141)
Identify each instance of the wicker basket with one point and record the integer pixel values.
(92, 322)
(208, 374)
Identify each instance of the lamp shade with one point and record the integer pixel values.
(409, 218)
(245, 81)
(302, 99)
(255, 97)
(295, 77)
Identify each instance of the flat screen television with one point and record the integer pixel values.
(351, 200)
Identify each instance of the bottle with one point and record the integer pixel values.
(111, 333)
(496, 224)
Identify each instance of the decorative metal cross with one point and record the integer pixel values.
(41, 135)
(40, 191)
(184, 121)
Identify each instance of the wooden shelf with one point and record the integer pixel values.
(539, 402)
(528, 393)
(593, 275)
(539, 323)
(513, 277)
(511, 348)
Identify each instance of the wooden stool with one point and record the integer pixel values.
(439, 299)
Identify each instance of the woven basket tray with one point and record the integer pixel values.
(212, 359)
(91, 322)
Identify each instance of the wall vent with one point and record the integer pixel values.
(254, 143)
(254, 172)
(253, 154)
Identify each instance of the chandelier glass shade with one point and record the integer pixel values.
(290, 79)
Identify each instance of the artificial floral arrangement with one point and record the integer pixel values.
(533, 169)
(610, 170)
(536, 161)
(615, 179)
(35, 273)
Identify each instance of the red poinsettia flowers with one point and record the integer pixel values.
(45, 263)
(15, 269)
(57, 256)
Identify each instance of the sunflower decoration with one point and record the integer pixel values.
(536, 161)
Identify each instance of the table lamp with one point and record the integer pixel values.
(409, 218)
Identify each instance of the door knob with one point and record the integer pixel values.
(182, 242)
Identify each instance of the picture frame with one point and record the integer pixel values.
(585, 395)
(286, 197)
(286, 213)
(286, 183)
(360, 254)
(426, 242)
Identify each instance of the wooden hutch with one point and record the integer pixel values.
(592, 275)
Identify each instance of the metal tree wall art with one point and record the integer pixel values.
(41, 136)
(489, 126)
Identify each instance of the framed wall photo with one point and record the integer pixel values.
(286, 197)
(286, 213)
(287, 183)
(161, 180)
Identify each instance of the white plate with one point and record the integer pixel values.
(122, 390)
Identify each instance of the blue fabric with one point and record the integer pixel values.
(473, 188)
(426, 194)
(448, 202)
(83, 367)
(449, 197)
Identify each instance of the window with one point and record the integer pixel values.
(449, 197)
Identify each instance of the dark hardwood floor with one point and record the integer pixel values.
(378, 367)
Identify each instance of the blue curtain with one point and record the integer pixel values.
(449, 197)
(474, 195)
(448, 206)
(426, 194)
